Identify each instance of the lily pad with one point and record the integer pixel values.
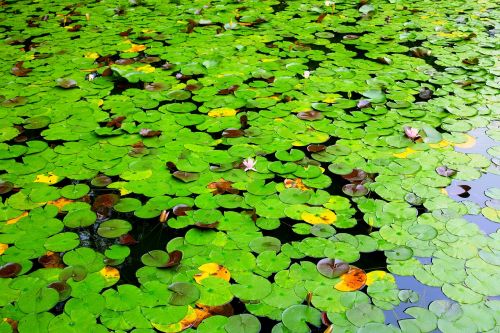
(114, 228)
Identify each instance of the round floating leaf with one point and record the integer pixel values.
(342, 251)
(243, 323)
(445, 309)
(101, 181)
(294, 196)
(84, 257)
(251, 287)
(413, 199)
(461, 294)
(214, 324)
(364, 313)
(322, 230)
(354, 279)
(355, 190)
(117, 252)
(186, 177)
(399, 253)
(423, 231)
(310, 115)
(340, 169)
(183, 293)
(37, 122)
(293, 155)
(297, 317)
(212, 270)
(332, 268)
(126, 205)
(62, 242)
(66, 83)
(319, 216)
(164, 315)
(445, 171)
(215, 292)
(79, 218)
(34, 322)
(75, 191)
(77, 273)
(406, 295)
(38, 300)
(158, 258)
(114, 228)
(267, 243)
(491, 214)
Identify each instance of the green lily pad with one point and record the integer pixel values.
(262, 244)
(62, 242)
(113, 228)
(75, 191)
(183, 293)
(244, 323)
(79, 218)
(38, 300)
(215, 292)
(297, 317)
(251, 287)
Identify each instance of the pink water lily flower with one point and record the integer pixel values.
(412, 133)
(249, 164)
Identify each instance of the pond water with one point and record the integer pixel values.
(249, 166)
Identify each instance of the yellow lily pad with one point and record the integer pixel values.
(321, 216)
(405, 154)
(3, 248)
(135, 48)
(212, 270)
(111, 275)
(378, 276)
(49, 178)
(222, 112)
(146, 69)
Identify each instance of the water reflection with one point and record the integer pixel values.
(426, 295)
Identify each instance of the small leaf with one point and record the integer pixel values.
(332, 268)
(19, 70)
(445, 171)
(186, 177)
(310, 115)
(149, 133)
(354, 190)
(364, 104)
(66, 83)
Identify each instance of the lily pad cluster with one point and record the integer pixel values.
(276, 147)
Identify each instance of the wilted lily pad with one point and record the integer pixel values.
(66, 83)
(332, 268)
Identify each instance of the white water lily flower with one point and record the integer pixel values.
(249, 164)
(306, 74)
